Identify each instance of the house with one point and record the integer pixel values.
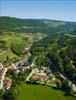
(73, 87)
(51, 76)
(1, 65)
(8, 83)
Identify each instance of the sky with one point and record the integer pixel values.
(39, 9)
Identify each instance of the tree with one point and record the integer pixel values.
(43, 61)
(13, 92)
(1, 94)
(21, 76)
(65, 85)
(10, 95)
(59, 83)
(56, 62)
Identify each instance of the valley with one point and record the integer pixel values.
(38, 60)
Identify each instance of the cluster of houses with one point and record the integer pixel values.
(7, 82)
(4, 83)
(71, 84)
(37, 75)
(40, 76)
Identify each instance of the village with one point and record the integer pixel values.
(43, 76)
(39, 75)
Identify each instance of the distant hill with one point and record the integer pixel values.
(35, 25)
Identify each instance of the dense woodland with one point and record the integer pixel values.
(36, 25)
(58, 54)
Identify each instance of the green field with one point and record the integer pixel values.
(37, 92)
(10, 39)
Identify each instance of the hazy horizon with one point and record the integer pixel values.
(61, 10)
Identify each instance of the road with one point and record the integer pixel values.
(2, 77)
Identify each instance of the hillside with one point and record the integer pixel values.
(35, 25)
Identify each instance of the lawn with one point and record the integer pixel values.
(37, 92)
